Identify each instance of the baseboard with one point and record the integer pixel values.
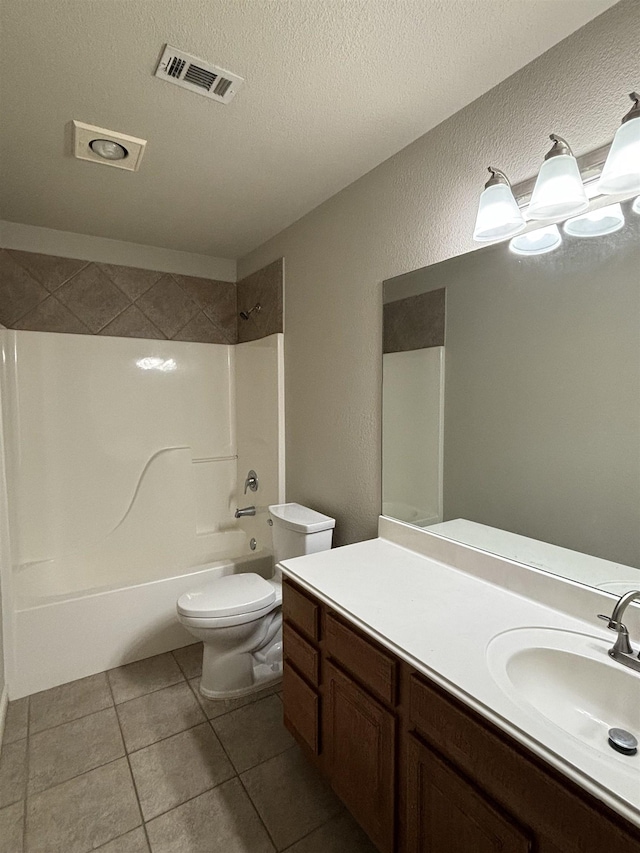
(4, 704)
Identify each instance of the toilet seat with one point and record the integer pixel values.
(229, 600)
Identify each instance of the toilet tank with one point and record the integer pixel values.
(298, 530)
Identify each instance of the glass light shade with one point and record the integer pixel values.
(108, 150)
(621, 173)
(595, 223)
(559, 190)
(636, 205)
(499, 216)
(537, 242)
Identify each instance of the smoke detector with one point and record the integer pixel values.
(107, 146)
(197, 76)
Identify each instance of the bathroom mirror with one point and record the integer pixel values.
(511, 403)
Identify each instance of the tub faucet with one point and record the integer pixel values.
(622, 650)
(246, 510)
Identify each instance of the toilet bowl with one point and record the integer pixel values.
(238, 618)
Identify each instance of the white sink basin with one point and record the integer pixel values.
(570, 679)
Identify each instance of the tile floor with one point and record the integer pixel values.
(136, 761)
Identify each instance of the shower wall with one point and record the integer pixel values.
(123, 455)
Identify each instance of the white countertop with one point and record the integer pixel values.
(440, 619)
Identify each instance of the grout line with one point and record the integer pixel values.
(173, 654)
(133, 780)
(142, 695)
(190, 799)
(66, 722)
(77, 776)
(166, 737)
(259, 816)
(253, 805)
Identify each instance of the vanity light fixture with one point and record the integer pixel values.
(558, 190)
(596, 223)
(498, 216)
(537, 242)
(621, 171)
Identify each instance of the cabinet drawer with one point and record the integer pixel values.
(301, 610)
(301, 709)
(372, 666)
(301, 654)
(533, 793)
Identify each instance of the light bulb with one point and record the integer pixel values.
(636, 205)
(108, 150)
(595, 223)
(558, 191)
(537, 242)
(498, 216)
(621, 172)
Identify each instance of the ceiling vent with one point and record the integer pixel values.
(197, 76)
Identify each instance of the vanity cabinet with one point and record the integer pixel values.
(418, 769)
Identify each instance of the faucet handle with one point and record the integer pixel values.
(622, 644)
(251, 482)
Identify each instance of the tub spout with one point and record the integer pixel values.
(246, 510)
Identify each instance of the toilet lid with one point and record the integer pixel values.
(228, 596)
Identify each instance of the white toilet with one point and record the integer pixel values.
(239, 617)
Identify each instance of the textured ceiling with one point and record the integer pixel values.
(333, 88)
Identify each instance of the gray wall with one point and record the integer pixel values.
(416, 209)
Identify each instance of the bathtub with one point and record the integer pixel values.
(62, 633)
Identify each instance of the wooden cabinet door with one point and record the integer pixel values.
(446, 813)
(360, 743)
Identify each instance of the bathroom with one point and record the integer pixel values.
(324, 198)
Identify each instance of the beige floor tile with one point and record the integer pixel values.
(219, 821)
(83, 813)
(189, 660)
(217, 707)
(254, 733)
(59, 754)
(290, 796)
(13, 772)
(178, 768)
(69, 702)
(158, 715)
(11, 828)
(339, 835)
(132, 842)
(15, 724)
(144, 676)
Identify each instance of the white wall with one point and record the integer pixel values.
(415, 209)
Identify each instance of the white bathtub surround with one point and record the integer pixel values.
(123, 463)
(438, 605)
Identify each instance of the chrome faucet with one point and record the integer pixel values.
(251, 482)
(246, 510)
(622, 650)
